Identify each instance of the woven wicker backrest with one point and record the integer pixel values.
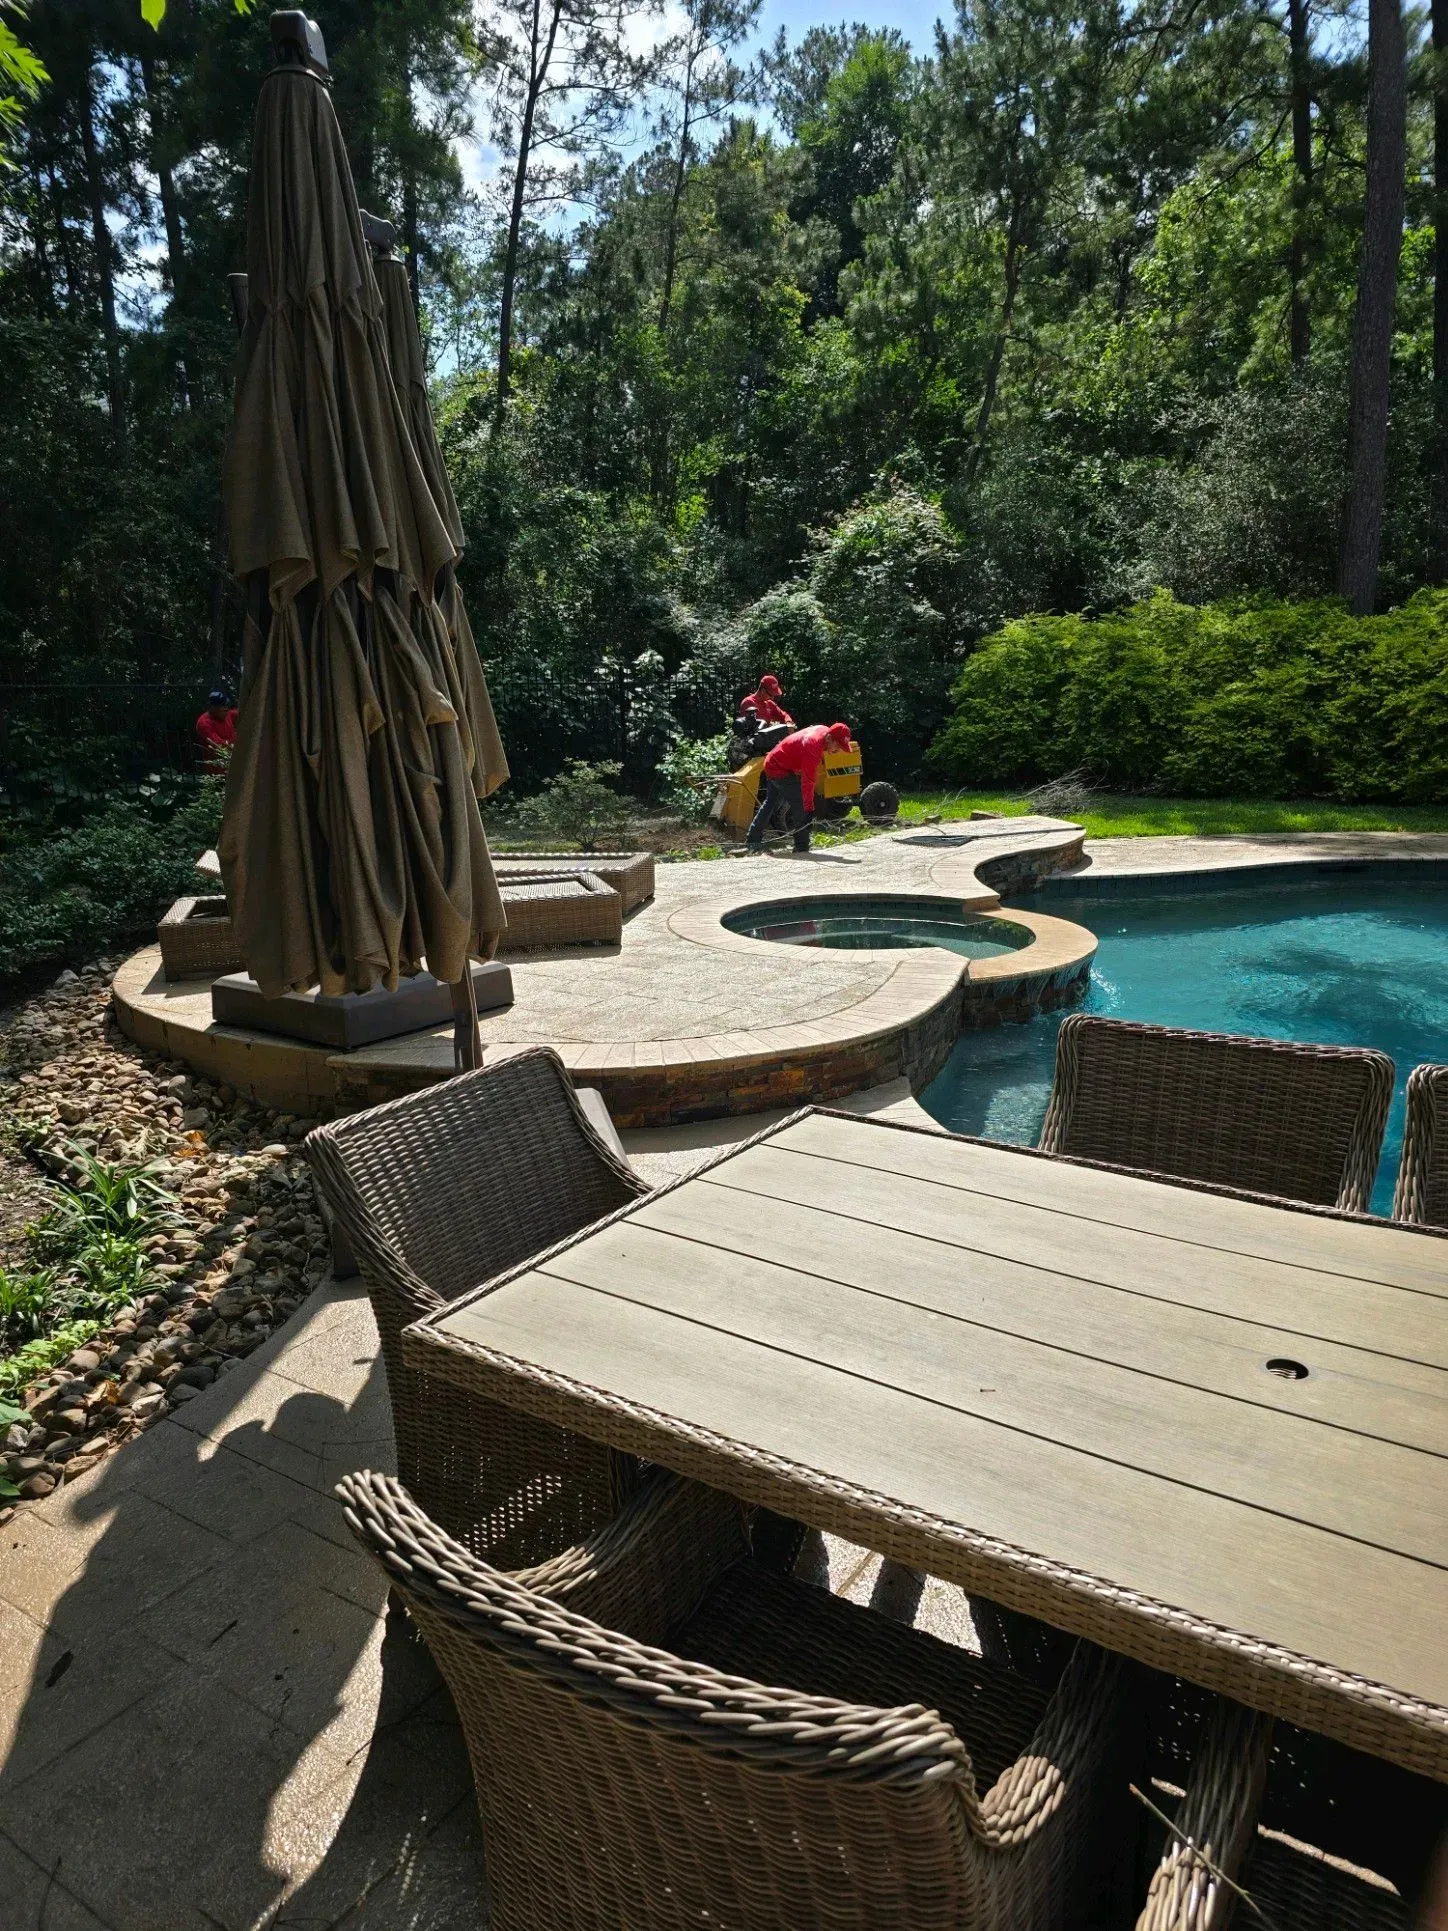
(621, 1785)
(465, 1179)
(1422, 1189)
(1266, 1115)
(435, 1193)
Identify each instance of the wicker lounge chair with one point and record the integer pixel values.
(434, 1193)
(630, 874)
(1286, 1824)
(1422, 1190)
(1302, 1122)
(550, 908)
(632, 1767)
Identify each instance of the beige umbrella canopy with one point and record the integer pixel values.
(409, 375)
(351, 844)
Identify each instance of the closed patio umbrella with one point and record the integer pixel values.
(409, 374)
(351, 845)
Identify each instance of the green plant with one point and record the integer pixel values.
(580, 806)
(106, 1203)
(686, 772)
(81, 891)
(37, 1357)
(1258, 699)
(25, 1299)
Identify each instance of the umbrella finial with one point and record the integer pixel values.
(379, 233)
(297, 41)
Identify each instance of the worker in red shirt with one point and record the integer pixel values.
(791, 771)
(216, 729)
(764, 704)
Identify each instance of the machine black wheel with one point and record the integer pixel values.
(833, 807)
(879, 803)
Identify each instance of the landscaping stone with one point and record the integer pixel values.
(233, 1166)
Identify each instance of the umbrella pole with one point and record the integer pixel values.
(467, 1040)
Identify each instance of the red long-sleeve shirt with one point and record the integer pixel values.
(766, 710)
(216, 733)
(802, 753)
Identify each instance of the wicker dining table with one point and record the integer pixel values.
(1205, 1430)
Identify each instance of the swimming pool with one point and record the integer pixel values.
(878, 924)
(1342, 962)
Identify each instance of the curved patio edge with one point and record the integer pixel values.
(903, 1027)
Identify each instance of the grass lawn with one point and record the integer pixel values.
(1114, 816)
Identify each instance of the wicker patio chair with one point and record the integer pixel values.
(634, 1768)
(1237, 1829)
(433, 1194)
(1265, 1115)
(1421, 1194)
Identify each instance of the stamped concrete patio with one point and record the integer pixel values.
(207, 1716)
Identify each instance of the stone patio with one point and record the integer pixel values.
(208, 1718)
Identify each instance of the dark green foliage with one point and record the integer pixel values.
(79, 893)
(857, 358)
(1249, 699)
(90, 1255)
(580, 808)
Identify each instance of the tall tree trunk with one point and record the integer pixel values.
(105, 269)
(62, 238)
(1440, 285)
(1300, 320)
(676, 194)
(44, 285)
(997, 353)
(170, 210)
(539, 63)
(411, 240)
(166, 181)
(1372, 329)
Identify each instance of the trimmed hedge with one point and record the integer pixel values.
(1266, 700)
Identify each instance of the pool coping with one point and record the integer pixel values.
(905, 1027)
(1138, 880)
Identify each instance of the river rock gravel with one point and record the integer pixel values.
(248, 1245)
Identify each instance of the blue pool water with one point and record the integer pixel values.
(1340, 963)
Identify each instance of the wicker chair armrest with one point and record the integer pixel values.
(1216, 1825)
(649, 1568)
(375, 1257)
(1423, 1159)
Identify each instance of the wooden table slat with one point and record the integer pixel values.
(1354, 1313)
(1393, 1255)
(1330, 1478)
(1350, 1388)
(1239, 1567)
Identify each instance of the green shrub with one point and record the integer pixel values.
(579, 807)
(685, 769)
(79, 893)
(1235, 699)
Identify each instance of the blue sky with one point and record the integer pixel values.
(914, 18)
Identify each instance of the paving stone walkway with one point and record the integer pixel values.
(210, 1720)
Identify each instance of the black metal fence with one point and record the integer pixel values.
(71, 742)
(76, 742)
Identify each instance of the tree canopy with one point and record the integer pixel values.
(842, 351)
